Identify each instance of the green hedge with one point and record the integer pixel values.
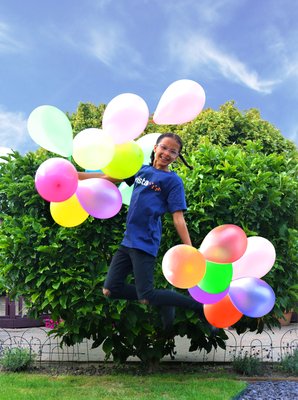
(61, 270)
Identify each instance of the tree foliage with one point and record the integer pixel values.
(87, 116)
(230, 126)
(244, 173)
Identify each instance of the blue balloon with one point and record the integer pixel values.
(252, 296)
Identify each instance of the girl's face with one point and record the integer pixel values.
(166, 151)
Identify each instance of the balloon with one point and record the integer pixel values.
(50, 128)
(4, 152)
(68, 213)
(127, 160)
(223, 313)
(56, 179)
(147, 143)
(204, 297)
(93, 149)
(224, 244)
(181, 102)
(126, 192)
(252, 296)
(257, 260)
(99, 197)
(183, 266)
(125, 117)
(217, 277)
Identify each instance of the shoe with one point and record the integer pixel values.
(213, 331)
(167, 314)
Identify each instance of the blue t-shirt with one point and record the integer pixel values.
(155, 193)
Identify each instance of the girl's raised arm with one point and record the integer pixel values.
(88, 175)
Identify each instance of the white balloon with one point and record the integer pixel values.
(258, 259)
(125, 117)
(4, 151)
(181, 102)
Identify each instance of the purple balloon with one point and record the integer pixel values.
(99, 197)
(56, 179)
(204, 297)
(252, 296)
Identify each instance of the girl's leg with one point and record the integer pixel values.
(143, 269)
(119, 269)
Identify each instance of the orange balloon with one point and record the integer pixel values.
(222, 314)
(183, 266)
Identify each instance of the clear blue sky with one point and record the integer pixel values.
(62, 52)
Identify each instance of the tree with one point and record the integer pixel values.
(231, 126)
(86, 116)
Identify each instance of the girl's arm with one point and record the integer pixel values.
(181, 227)
(88, 175)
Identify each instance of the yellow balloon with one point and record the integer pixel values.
(68, 213)
(127, 160)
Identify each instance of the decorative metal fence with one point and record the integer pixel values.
(267, 346)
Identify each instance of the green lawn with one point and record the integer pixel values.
(20, 386)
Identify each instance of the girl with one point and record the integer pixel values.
(157, 190)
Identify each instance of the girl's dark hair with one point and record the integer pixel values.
(178, 140)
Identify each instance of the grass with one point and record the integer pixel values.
(19, 386)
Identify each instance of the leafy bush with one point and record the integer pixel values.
(255, 191)
(248, 365)
(16, 359)
(289, 363)
(60, 271)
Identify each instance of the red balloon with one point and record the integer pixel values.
(224, 244)
(223, 313)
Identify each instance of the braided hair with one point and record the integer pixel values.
(178, 140)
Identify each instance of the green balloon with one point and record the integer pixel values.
(217, 277)
(126, 192)
(127, 160)
(51, 129)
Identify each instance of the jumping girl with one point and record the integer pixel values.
(157, 190)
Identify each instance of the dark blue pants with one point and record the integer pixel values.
(141, 265)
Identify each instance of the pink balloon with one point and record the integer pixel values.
(125, 117)
(257, 260)
(181, 102)
(224, 244)
(56, 179)
(206, 298)
(99, 197)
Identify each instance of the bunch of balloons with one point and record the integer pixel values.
(224, 274)
(111, 149)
